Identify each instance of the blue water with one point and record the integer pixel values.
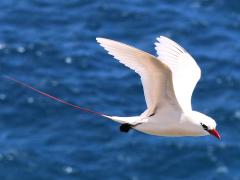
(51, 45)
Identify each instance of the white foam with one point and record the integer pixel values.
(237, 114)
(68, 60)
(222, 169)
(3, 96)
(2, 46)
(21, 49)
(30, 100)
(68, 169)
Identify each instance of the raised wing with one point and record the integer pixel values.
(185, 71)
(154, 74)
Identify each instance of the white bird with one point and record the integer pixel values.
(168, 82)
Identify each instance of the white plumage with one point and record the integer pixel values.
(168, 83)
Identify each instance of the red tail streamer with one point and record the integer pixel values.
(54, 98)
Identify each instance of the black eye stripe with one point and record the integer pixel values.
(204, 126)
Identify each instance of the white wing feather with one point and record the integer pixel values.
(154, 74)
(185, 71)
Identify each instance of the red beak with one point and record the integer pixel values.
(215, 133)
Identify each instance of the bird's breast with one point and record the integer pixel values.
(167, 125)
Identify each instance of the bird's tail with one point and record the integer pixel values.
(57, 99)
(131, 120)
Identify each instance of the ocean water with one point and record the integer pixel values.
(51, 45)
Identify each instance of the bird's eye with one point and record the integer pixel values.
(204, 126)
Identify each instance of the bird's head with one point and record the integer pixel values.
(205, 124)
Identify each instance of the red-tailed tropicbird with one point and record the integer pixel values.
(168, 82)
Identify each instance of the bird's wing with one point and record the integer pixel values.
(154, 74)
(185, 71)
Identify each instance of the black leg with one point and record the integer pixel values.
(125, 127)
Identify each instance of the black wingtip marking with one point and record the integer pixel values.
(152, 114)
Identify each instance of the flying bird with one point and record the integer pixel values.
(168, 81)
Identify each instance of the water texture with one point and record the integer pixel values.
(51, 45)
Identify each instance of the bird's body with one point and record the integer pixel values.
(167, 121)
(168, 82)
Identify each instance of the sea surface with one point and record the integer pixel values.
(51, 45)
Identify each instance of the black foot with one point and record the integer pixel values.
(125, 127)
